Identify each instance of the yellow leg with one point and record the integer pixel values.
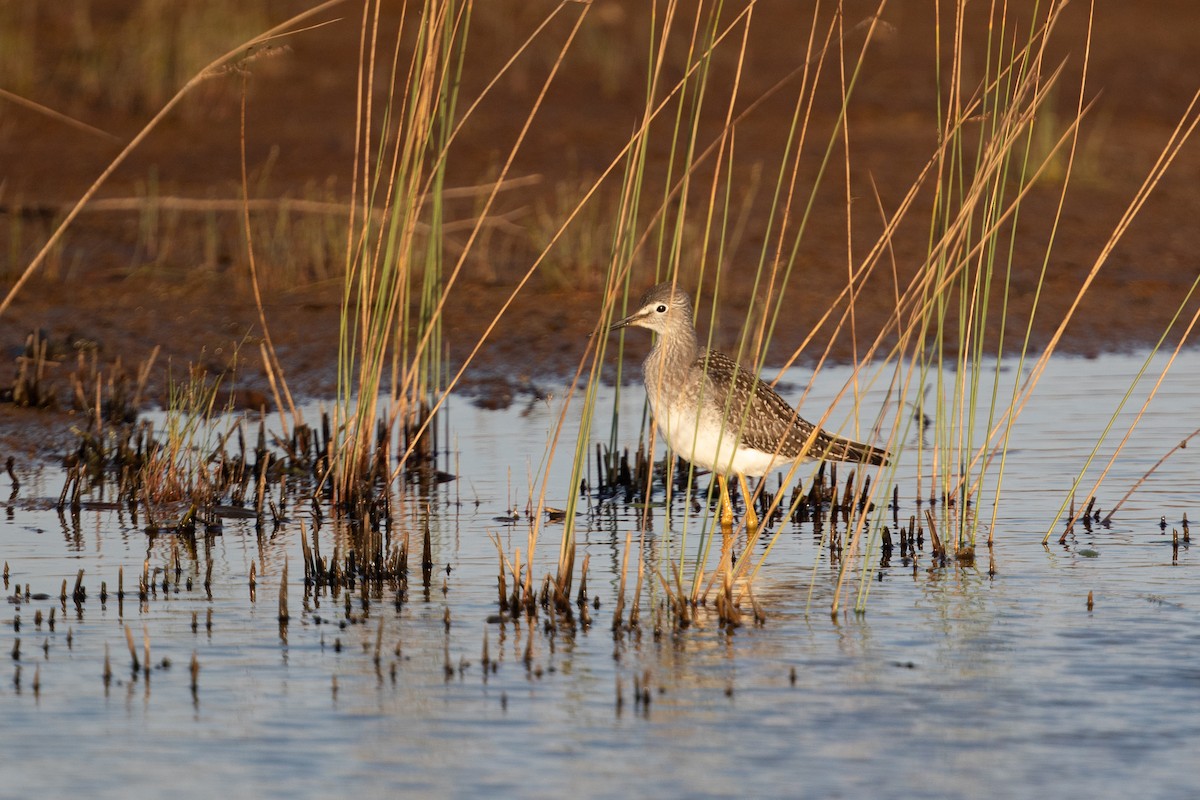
(748, 499)
(726, 507)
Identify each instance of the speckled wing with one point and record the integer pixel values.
(771, 420)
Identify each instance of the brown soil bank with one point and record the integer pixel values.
(125, 282)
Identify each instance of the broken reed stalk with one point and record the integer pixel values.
(310, 571)
(636, 604)
(426, 555)
(261, 489)
(583, 593)
(283, 600)
(501, 583)
(146, 648)
(404, 548)
(760, 616)
(527, 593)
(133, 657)
(620, 604)
(516, 601)
(378, 645)
(936, 542)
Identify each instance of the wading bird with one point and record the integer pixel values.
(717, 414)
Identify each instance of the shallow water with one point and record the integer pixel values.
(953, 683)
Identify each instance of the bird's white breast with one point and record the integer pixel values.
(707, 443)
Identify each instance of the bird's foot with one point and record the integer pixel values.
(748, 499)
(725, 506)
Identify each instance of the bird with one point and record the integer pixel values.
(718, 414)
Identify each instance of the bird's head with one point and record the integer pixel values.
(661, 308)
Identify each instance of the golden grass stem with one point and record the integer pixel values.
(58, 116)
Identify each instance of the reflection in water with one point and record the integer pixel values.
(958, 675)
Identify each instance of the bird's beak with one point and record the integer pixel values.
(632, 319)
(615, 326)
(625, 323)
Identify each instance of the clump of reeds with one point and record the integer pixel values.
(32, 386)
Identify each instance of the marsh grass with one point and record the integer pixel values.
(686, 586)
(954, 335)
(180, 469)
(952, 321)
(1183, 339)
(391, 334)
(380, 279)
(949, 303)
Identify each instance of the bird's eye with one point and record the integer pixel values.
(662, 308)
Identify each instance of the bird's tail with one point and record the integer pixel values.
(835, 448)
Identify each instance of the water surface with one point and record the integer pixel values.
(953, 683)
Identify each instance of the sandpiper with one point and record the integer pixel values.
(719, 415)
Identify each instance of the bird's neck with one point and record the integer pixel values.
(677, 352)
